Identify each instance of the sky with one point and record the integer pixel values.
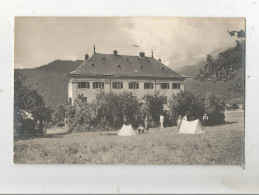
(178, 42)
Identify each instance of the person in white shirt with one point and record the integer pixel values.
(205, 119)
(179, 122)
(162, 121)
(140, 129)
(146, 123)
(185, 118)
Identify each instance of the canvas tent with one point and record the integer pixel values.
(126, 130)
(191, 127)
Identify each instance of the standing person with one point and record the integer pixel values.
(179, 122)
(185, 118)
(146, 123)
(205, 119)
(162, 121)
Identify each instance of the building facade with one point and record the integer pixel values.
(118, 73)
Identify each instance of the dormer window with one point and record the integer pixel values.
(103, 58)
(93, 64)
(127, 59)
(141, 67)
(162, 67)
(118, 65)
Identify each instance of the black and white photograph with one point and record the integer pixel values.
(129, 90)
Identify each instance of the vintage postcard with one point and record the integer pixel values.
(129, 90)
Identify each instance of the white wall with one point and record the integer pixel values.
(74, 91)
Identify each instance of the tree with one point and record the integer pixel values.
(186, 103)
(60, 114)
(28, 100)
(153, 107)
(106, 112)
(195, 105)
(214, 107)
(229, 65)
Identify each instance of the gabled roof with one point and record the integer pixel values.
(124, 66)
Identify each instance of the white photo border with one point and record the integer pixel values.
(129, 179)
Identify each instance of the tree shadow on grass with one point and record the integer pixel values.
(31, 136)
(109, 134)
(229, 122)
(225, 123)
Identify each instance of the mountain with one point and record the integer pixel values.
(191, 70)
(221, 88)
(50, 80)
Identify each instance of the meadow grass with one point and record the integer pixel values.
(222, 144)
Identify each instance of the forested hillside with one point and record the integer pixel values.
(50, 80)
(221, 88)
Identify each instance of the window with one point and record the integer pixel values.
(98, 85)
(82, 85)
(164, 85)
(148, 86)
(133, 85)
(117, 85)
(176, 85)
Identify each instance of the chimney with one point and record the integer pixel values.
(159, 60)
(115, 52)
(86, 57)
(141, 54)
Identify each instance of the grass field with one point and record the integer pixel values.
(223, 144)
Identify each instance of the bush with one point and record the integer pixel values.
(152, 107)
(84, 116)
(185, 103)
(28, 101)
(106, 112)
(214, 107)
(195, 105)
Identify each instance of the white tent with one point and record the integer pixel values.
(126, 130)
(191, 127)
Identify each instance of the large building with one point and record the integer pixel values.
(117, 73)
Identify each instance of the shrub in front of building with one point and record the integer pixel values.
(110, 110)
(185, 103)
(196, 105)
(214, 107)
(105, 113)
(152, 107)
